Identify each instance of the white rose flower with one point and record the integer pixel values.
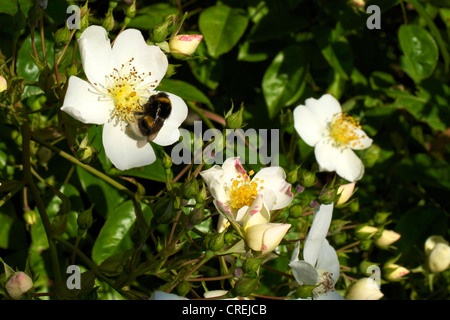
(333, 134)
(320, 265)
(122, 78)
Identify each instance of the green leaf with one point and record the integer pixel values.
(420, 49)
(284, 80)
(185, 91)
(10, 6)
(102, 194)
(115, 236)
(222, 27)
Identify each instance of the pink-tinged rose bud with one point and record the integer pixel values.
(431, 243)
(19, 284)
(3, 84)
(387, 238)
(394, 272)
(364, 289)
(266, 237)
(185, 44)
(345, 192)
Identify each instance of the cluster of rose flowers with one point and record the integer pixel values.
(123, 76)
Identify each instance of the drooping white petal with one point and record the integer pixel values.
(255, 213)
(324, 108)
(124, 151)
(344, 161)
(328, 260)
(84, 103)
(131, 44)
(304, 273)
(317, 233)
(309, 127)
(273, 178)
(96, 54)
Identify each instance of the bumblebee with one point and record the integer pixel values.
(156, 111)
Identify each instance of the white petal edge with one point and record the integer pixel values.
(316, 235)
(83, 103)
(324, 107)
(344, 161)
(304, 273)
(274, 179)
(96, 54)
(129, 44)
(309, 126)
(123, 151)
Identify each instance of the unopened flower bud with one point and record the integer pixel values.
(327, 196)
(344, 192)
(62, 36)
(30, 217)
(364, 289)
(431, 243)
(160, 32)
(252, 265)
(130, 12)
(234, 120)
(166, 161)
(439, 258)
(34, 15)
(43, 3)
(266, 237)
(183, 288)
(358, 4)
(292, 176)
(184, 45)
(19, 284)
(387, 238)
(201, 196)
(245, 286)
(308, 179)
(108, 22)
(216, 242)
(394, 272)
(381, 217)
(3, 84)
(191, 189)
(365, 231)
(296, 211)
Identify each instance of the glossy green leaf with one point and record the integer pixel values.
(103, 195)
(185, 90)
(115, 234)
(222, 27)
(284, 80)
(420, 51)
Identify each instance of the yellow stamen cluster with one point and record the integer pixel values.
(343, 130)
(243, 191)
(124, 88)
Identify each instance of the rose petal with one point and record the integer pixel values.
(324, 108)
(84, 103)
(304, 273)
(124, 151)
(317, 233)
(130, 44)
(96, 54)
(213, 178)
(344, 161)
(309, 127)
(328, 260)
(364, 141)
(273, 178)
